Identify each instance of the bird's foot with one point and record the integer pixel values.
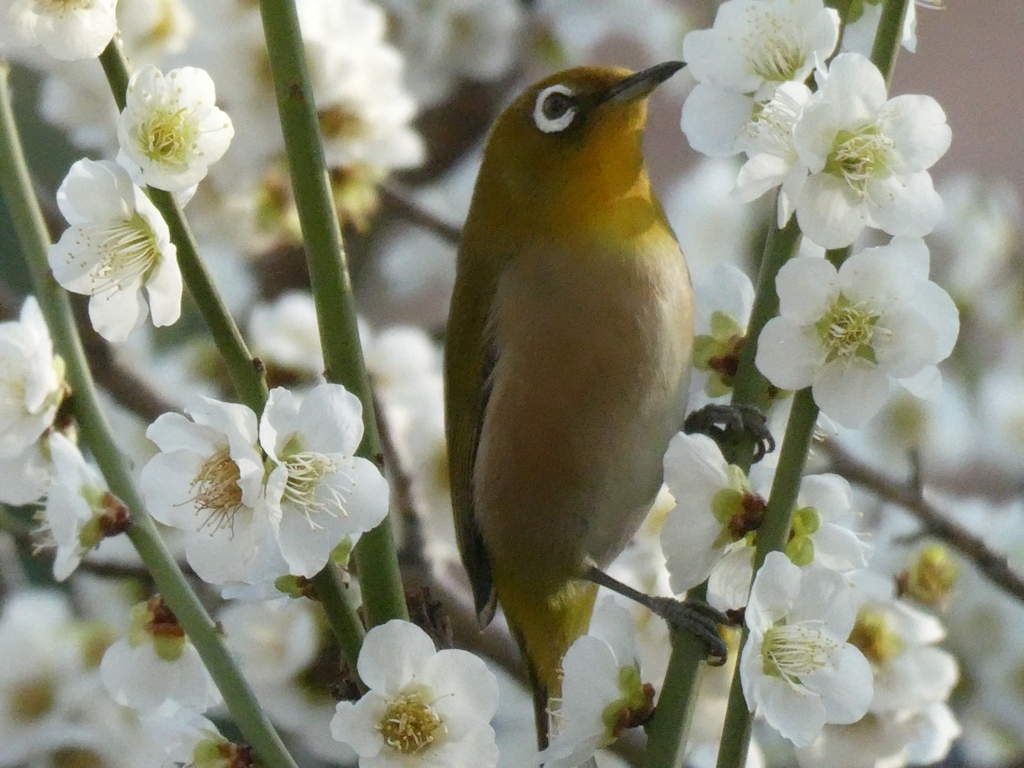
(697, 618)
(728, 424)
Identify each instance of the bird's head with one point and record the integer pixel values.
(571, 143)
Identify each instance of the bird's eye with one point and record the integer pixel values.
(555, 108)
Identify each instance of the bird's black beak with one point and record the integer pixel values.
(638, 85)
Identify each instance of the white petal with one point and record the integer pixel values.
(799, 716)
(840, 549)
(829, 212)
(850, 392)
(759, 174)
(776, 586)
(788, 354)
(926, 384)
(729, 582)
(915, 678)
(712, 119)
(356, 723)
(686, 539)
(846, 690)
(806, 287)
(164, 291)
(828, 493)
(917, 125)
(332, 417)
(392, 655)
(463, 686)
(856, 87)
(115, 315)
(905, 205)
(95, 192)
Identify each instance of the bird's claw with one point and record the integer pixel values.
(697, 618)
(731, 423)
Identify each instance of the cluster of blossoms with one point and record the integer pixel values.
(38, 462)
(258, 502)
(846, 157)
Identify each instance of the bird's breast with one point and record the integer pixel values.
(590, 380)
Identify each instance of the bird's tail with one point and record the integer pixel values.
(545, 622)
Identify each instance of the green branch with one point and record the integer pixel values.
(246, 373)
(30, 228)
(375, 557)
(669, 729)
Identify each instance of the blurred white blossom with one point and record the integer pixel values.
(65, 30)
(157, 663)
(31, 380)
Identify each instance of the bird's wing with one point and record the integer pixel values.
(469, 361)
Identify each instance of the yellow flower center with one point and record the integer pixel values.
(410, 724)
(31, 700)
(168, 137)
(860, 156)
(848, 330)
(793, 651)
(875, 638)
(216, 491)
(307, 485)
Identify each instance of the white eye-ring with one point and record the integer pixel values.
(555, 108)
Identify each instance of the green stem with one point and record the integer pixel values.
(888, 36)
(669, 731)
(30, 228)
(246, 373)
(379, 577)
(771, 537)
(341, 615)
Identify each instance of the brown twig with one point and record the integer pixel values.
(936, 523)
(404, 205)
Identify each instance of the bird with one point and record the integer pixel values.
(567, 356)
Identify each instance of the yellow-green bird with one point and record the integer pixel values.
(567, 357)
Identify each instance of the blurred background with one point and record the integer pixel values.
(406, 90)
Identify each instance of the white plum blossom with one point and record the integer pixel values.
(157, 663)
(868, 156)
(207, 480)
(601, 683)
(446, 41)
(715, 509)
(712, 531)
(723, 297)
(848, 333)
(117, 245)
(318, 492)
(31, 380)
(35, 692)
(907, 719)
(76, 502)
(772, 157)
(170, 131)
(423, 707)
(753, 47)
(796, 668)
(66, 29)
(363, 106)
(189, 739)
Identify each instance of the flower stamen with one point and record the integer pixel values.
(410, 724)
(793, 651)
(216, 491)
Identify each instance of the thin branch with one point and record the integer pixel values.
(401, 200)
(935, 522)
